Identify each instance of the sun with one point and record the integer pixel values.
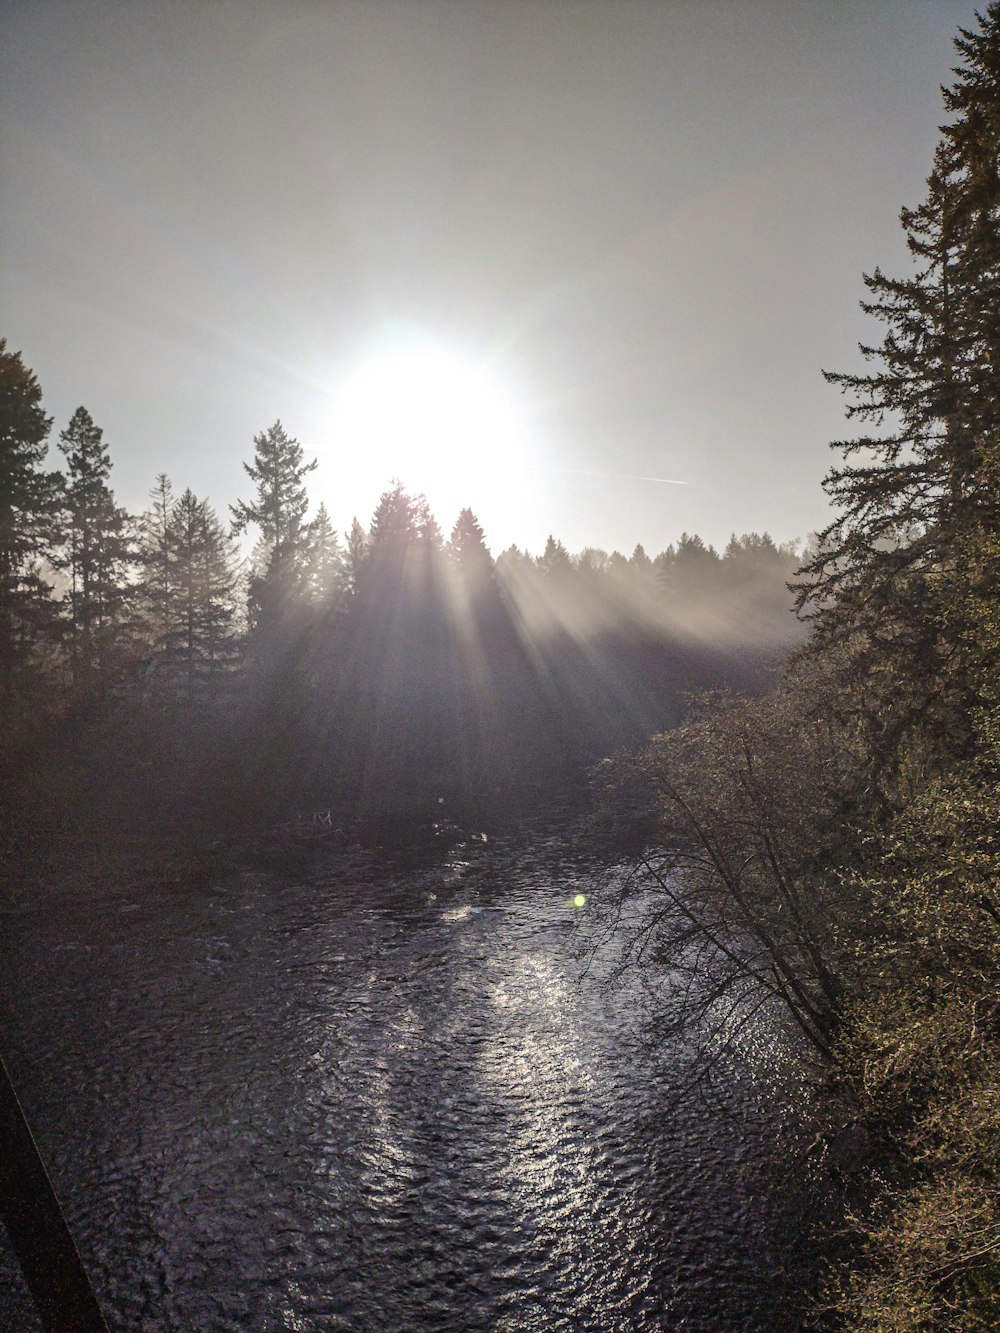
(444, 423)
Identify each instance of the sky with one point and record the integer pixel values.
(576, 264)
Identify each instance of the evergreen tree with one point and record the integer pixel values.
(468, 551)
(356, 555)
(905, 550)
(396, 523)
(404, 550)
(279, 511)
(640, 561)
(324, 558)
(277, 471)
(689, 571)
(28, 504)
(555, 560)
(98, 553)
(156, 565)
(429, 532)
(202, 594)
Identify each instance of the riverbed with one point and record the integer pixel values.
(391, 1093)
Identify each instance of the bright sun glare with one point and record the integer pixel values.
(443, 423)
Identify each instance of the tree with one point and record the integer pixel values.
(396, 523)
(324, 559)
(743, 806)
(156, 566)
(28, 507)
(555, 562)
(402, 546)
(468, 551)
(280, 508)
(356, 555)
(203, 605)
(640, 561)
(98, 553)
(279, 511)
(905, 546)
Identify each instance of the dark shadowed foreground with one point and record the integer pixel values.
(390, 1097)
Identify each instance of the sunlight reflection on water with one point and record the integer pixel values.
(376, 1111)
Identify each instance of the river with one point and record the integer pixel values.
(390, 1094)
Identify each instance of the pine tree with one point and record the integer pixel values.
(156, 566)
(277, 471)
(324, 558)
(905, 551)
(98, 554)
(403, 551)
(279, 511)
(467, 548)
(202, 595)
(429, 533)
(396, 523)
(640, 561)
(471, 562)
(690, 570)
(555, 561)
(357, 554)
(28, 506)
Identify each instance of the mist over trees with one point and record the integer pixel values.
(381, 670)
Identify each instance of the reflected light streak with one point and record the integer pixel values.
(542, 1073)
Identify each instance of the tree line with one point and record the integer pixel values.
(385, 662)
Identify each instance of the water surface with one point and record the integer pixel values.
(387, 1096)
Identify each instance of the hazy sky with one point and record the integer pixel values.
(531, 257)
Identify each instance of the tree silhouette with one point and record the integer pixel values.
(156, 565)
(899, 562)
(323, 559)
(28, 505)
(468, 552)
(98, 554)
(279, 511)
(203, 587)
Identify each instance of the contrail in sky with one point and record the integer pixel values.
(594, 472)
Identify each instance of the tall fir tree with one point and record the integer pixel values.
(28, 513)
(469, 554)
(403, 540)
(555, 562)
(156, 570)
(396, 523)
(906, 550)
(324, 559)
(98, 555)
(203, 596)
(278, 471)
(356, 554)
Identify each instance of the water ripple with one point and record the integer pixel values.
(383, 1099)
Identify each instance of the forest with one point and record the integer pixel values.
(817, 799)
(375, 674)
